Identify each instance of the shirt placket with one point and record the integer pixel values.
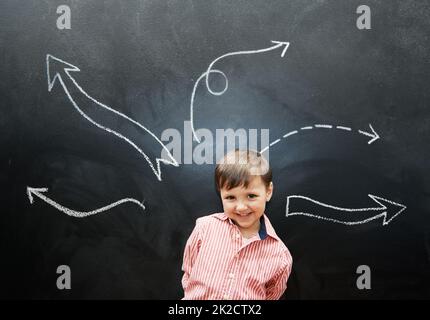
(233, 267)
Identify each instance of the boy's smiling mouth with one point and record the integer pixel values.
(243, 214)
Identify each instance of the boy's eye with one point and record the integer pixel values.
(252, 196)
(229, 197)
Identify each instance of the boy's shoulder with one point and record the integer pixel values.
(212, 221)
(271, 230)
(211, 218)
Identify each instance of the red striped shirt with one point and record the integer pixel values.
(219, 264)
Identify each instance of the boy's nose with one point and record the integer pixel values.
(241, 206)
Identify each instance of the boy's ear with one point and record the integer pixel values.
(269, 192)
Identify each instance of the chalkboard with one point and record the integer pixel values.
(89, 88)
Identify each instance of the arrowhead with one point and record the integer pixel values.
(55, 67)
(373, 135)
(282, 43)
(157, 171)
(391, 208)
(35, 191)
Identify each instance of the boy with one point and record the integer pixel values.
(237, 254)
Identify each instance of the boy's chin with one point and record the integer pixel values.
(241, 222)
(246, 222)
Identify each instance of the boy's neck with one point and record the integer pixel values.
(249, 233)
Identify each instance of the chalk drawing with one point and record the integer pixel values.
(210, 70)
(64, 71)
(373, 134)
(38, 192)
(301, 205)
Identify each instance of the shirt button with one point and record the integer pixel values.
(231, 275)
(226, 297)
(237, 236)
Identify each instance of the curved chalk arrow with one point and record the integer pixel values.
(38, 192)
(58, 69)
(373, 135)
(300, 205)
(278, 44)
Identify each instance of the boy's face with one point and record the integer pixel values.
(245, 206)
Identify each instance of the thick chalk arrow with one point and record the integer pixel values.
(38, 192)
(373, 135)
(300, 205)
(58, 70)
(278, 44)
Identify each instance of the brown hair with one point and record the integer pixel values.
(239, 167)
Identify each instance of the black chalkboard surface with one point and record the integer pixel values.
(84, 110)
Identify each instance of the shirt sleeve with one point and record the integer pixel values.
(191, 251)
(278, 284)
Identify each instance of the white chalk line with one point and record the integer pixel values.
(51, 82)
(306, 128)
(74, 213)
(274, 142)
(290, 134)
(278, 44)
(203, 75)
(343, 128)
(373, 135)
(349, 223)
(326, 126)
(209, 70)
(349, 210)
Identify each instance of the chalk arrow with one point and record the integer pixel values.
(59, 70)
(314, 127)
(373, 134)
(205, 75)
(55, 68)
(38, 192)
(386, 209)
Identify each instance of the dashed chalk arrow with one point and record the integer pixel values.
(373, 134)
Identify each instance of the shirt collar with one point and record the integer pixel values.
(266, 228)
